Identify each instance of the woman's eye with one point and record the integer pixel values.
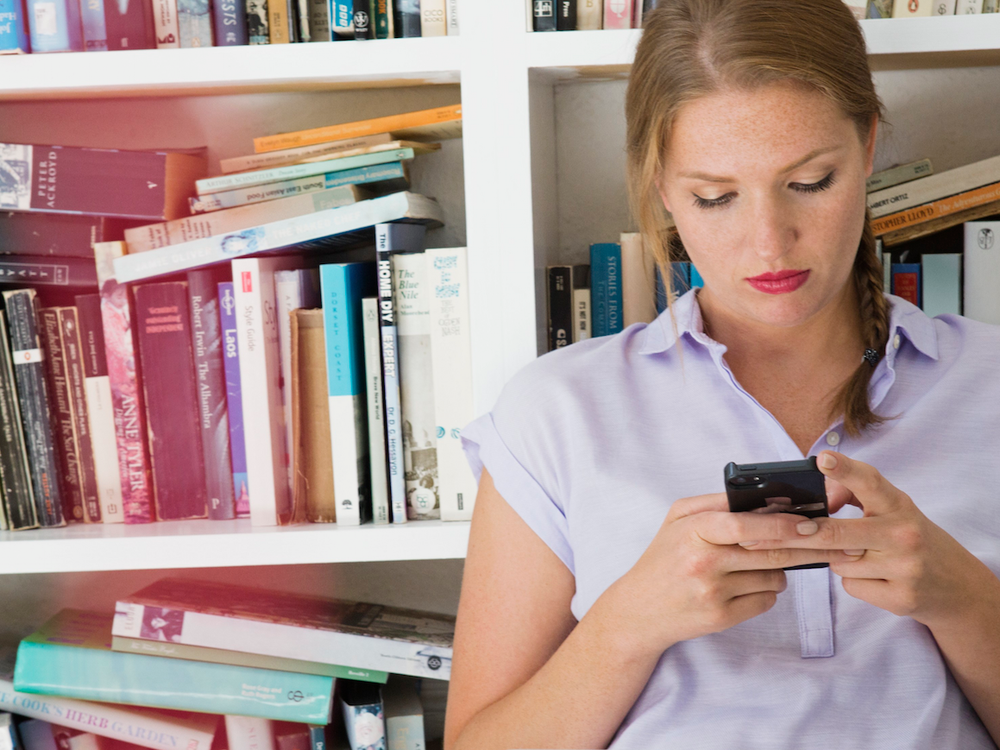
(814, 187)
(713, 202)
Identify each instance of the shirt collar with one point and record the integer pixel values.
(904, 318)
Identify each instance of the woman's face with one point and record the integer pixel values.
(767, 188)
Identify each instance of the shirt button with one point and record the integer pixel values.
(895, 341)
(832, 438)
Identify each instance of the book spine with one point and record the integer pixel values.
(135, 679)
(389, 339)
(274, 190)
(66, 236)
(942, 284)
(968, 7)
(13, 28)
(290, 156)
(27, 269)
(981, 268)
(277, 22)
(433, 18)
(229, 23)
(166, 24)
(100, 409)
(934, 187)
(125, 378)
(898, 175)
(362, 17)
(319, 28)
(581, 303)
(618, 14)
(194, 19)
(234, 397)
(406, 18)
(412, 298)
(257, 23)
(364, 722)
(906, 282)
(940, 208)
(343, 286)
(911, 8)
(264, 429)
(383, 19)
(605, 270)
(453, 21)
(559, 300)
(95, 32)
(543, 15)
(129, 25)
(206, 343)
(451, 358)
(317, 737)
(69, 328)
(944, 8)
(29, 374)
(249, 733)
(342, 12)
(566, 14)
(18, 495)
(61, 415)
(376, 413)
(55, 26)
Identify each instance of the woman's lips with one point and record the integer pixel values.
(779, 283)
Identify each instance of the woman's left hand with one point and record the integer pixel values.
(906, 564)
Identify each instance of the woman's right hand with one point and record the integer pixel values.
(695, 578)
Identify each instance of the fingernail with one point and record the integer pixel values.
(748, 544)
(807, 527)
(854, 552)
(828, 461)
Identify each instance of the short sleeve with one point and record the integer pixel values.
(484, 446)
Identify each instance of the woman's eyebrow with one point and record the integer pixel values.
(705, 177)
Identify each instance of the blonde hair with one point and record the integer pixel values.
(692, 48)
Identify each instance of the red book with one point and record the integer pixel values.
(172, 413)
(906, 282)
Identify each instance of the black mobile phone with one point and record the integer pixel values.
(797, 487)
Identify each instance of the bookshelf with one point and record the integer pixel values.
(537, 176)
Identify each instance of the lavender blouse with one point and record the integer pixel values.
(592, 443)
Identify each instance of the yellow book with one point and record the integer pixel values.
(429, 124)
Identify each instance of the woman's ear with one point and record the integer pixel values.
(870, 147)
(663, 194)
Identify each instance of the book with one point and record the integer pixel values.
(892, 223)
(293, 289)
(169, 650)
(285, 157)
(332, 229)
(559, 301)
(390, 239)
(404, 715)
(249, 733)
(47, 272)
(941, 275)
(383, 19)
(906, 282)
(605, 288)
(229, 23)
(166, 24)
(416, 377)
(170, 392)
(195, 21)
(343, 286)
(911, 8)
(260, 386)
(129, 25)
(234, 397)
(61, 415)
(361, 709)
(941, 215)
(15, 475)
(943, 8)
(581, 303)
(54, 26)
(277, 22)
(376, 413)
(880, 8)
(934, 187)
(898, 175)
(618, 14)
(453, 22)
(981, 269)
(71, 656)
(341, 12)
(257, 31)
(638, 281)
(33, 398)
(63, 235)
(433, 18)
(543, 15)
(435, 124)
(566, 15)
(292, 736)
(312, 449)
(385, 178)
(151, 185)
(362, 18)
(41, 735)
(886, 267)
(406, 18)
(968, 7)
(73, 355)
(13, 29)
(210, 379)
(121, 349)
(95, 32)
(589, 15)
(451, 360)
(319, 31)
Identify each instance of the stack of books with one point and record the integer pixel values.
(286, 671)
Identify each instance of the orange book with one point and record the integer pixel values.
(936, 209)
(429, 124)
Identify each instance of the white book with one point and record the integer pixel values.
(376, 413)
(404, 715)
(433, 18)
(898, 175)
(101, 418)
(982, 271)
(165, 24)
(451, 357)
(249, 733)
(944, 8)
(295, 155)
(416, 376)
(452, 17)
(934, 187)
(941, 278)
(912, 8)
(638, 281)
(293, 289)
(260, 381)
(968, 7)
(581, 314)
(589, 15)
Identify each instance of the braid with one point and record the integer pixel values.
(852, 401)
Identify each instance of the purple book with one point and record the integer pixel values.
(203, 291)
(168, 381)
(234, 396)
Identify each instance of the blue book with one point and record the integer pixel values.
(55, 25)
(71, 656)
(942, 284)
(95, 30)
(229, 23)
(13, 28)
(234, 397)
(606, 288)
(696, 279)
(343, 286)
(341, 18)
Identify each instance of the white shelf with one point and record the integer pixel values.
(210, 544)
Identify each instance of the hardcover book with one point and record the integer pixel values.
(71, 656)
(559, 300)
(566, 15)
(451, 355)
(15, 475)
(104, 182)
(234, 397)
(605, 288)
(13, 28)
(63, 235)
(100, 408)
(129, 25)
(376, 414)
(29, 374)
(47, 272)
(294, 626)
(906, 282)
(125, 378)
(54, 26)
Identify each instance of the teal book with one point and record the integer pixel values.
(606, 288)
(942, 281)
(71, 656)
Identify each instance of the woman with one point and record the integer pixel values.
(609, 597)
